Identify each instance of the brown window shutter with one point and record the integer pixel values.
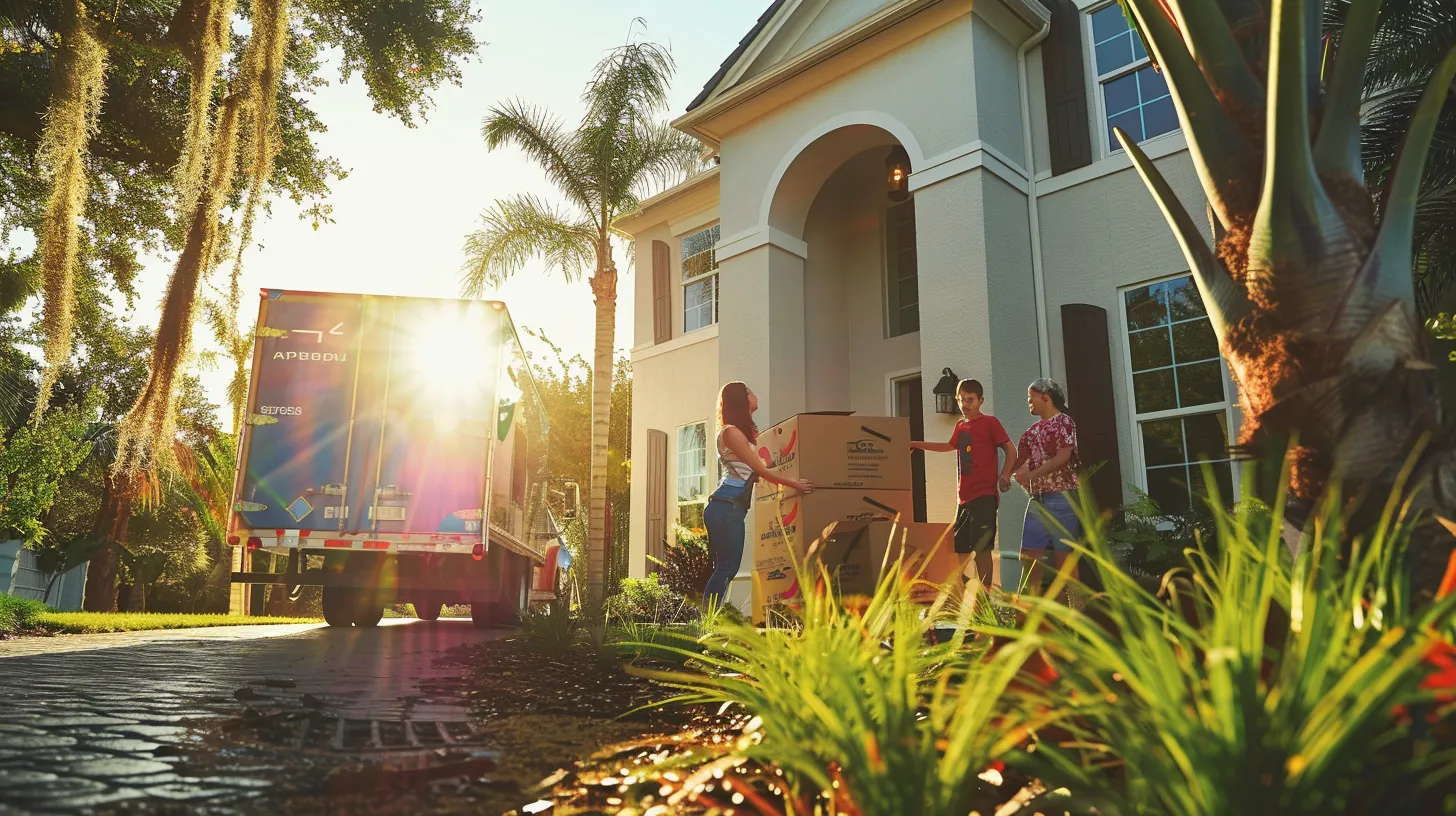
(661, 292)
(656, 495)
(1089, 398)
(1064, 71)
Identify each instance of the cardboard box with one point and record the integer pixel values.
(839, 451)
(773, 588)
(856, 556)
(805, 517)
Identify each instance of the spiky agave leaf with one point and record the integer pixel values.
(1224, 154)
(1337, 148)
(1298, 237)
(70, 122)
(1387, 269)
(1225, 300)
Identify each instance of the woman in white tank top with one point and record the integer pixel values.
(728, 506)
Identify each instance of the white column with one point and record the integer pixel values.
(761, 328)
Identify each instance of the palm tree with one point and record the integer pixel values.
(1413, 37)
(1309, 285)
(602, 169)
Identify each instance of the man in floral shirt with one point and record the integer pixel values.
(1046, 465)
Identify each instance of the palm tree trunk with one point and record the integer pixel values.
(110, 528)
(604, 287)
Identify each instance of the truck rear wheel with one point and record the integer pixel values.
(368, 609)
(427, 609)
(338, 606)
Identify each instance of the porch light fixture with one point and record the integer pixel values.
(945, 393)
(897, 174)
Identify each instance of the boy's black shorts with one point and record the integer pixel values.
(975, 525)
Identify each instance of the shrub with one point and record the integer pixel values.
(686, 564)
(647, 600)
(550, 628)
(19, 615)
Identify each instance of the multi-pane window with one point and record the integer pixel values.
(902, 269)
(700, 279)
(1179, 396)
(1134, 95)
(692, 474)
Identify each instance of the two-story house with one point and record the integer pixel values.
(909, 186)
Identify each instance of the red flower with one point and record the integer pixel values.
(1442, 656)
(1448, 582)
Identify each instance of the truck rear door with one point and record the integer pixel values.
(424, 416)
(297, 440)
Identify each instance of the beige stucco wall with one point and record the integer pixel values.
(998, 92)
(832, 17)
(674, 384)
(669, 390)
(918, 93)
(1104, 234)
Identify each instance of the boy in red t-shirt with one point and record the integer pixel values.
(975, 440)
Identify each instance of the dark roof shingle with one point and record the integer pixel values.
(728, 63)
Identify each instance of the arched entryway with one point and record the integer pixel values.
(846, 196)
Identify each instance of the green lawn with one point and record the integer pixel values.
(30, 617)
(92, 622)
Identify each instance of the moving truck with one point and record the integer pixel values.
(394, 451)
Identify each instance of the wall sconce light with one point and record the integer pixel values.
(945, 393)
(897, 174)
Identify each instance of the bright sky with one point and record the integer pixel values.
(413, 194)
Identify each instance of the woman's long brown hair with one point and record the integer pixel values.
(733, 410)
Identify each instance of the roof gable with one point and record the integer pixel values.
(786, 29)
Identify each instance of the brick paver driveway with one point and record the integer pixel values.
(95, 720)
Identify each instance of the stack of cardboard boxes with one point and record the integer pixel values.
(860, 467)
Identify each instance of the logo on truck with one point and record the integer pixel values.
(308, 356)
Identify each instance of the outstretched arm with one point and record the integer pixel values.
(738, 444)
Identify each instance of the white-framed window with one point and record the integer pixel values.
(902, 270)
(1179, 392)
(1131, 94)
(700, 279)
(692, 474)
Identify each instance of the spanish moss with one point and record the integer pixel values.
(75, 105)
(262, 135)
(204, 57)
(248, 119)
(144, 438)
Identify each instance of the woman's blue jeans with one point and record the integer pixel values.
(724, 520)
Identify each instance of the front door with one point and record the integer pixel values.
(908, 404)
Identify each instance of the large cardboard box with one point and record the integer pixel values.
(777, 587)
(804, 518)
(840, 451)
(856, 556)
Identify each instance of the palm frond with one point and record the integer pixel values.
(541, 137)
(635, 77)
(665, 157)
(515, 230)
